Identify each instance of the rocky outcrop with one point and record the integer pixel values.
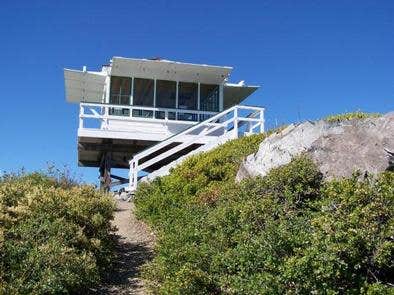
(338, 148)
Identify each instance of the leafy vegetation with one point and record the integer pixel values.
(351, 116)
(54, 234)
(288, 232)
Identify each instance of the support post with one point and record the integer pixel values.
(154, 97)
(176, 99)
(221, 97)
(105, 171)
(236, 123)
(261, 121)
(135, 174)
(80, 116)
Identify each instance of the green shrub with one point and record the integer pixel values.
(55, 235)
(351, 116)
(288, 232)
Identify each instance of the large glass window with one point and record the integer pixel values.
(143, 96)
(165, 94)
(120, 94)
(143, 92)
(209, 99)
(120, 90)
(165, 97)
(187, 100)
(187, 96)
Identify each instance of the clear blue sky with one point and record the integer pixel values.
(312, 58)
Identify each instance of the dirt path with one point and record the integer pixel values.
(134, 248)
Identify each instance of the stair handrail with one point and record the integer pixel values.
(184, 144)
(184, 132)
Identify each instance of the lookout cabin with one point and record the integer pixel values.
(145, 115)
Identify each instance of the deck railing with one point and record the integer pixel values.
(104, 112)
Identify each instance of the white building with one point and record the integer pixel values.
(143, 114)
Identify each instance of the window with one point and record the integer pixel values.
(209, 99)
(187, 96)
(165, 98)
(120, 94)
(165, 94)
(120, 90)
(187, 100)
(143, 92)
(143, 96)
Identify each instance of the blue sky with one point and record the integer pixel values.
(312, 58)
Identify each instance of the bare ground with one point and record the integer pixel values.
(133, 249)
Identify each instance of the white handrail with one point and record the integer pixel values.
(153, 117)
(146, 108)
(173, 138)
(183, 145)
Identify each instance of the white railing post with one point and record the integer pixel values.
(130, 176)
(262, 121)
(106, 117)
(135, 174)
(154, 98)
(81, 110)
(236, 122)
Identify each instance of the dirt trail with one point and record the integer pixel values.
(134, 248)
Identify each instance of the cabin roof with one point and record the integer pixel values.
(169, 70)
(89, 86)
(84, 85)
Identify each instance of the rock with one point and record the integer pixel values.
(338, 148)
(390, 155)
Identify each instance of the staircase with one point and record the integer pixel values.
(156, 160)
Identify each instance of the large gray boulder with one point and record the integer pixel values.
(338, 148)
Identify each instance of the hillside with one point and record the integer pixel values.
(289, 231)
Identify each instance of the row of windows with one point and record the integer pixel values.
(143, 94)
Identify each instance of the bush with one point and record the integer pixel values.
(288, 232)
(55, 235)
(351, 116)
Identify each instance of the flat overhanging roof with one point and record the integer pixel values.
(89, 86)
(84, 86)
(169, 70)
(234, 94)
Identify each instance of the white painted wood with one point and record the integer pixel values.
(221, 97)
(177, 94)
(84, 86)
(132, 91)
(198, 96)
(154, 96)
(169, 70)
